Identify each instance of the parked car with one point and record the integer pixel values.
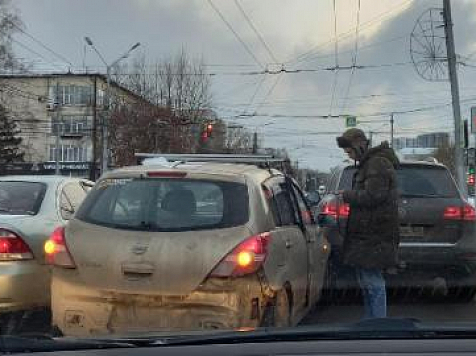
(191, 246)
(437, 226)
(31, 207)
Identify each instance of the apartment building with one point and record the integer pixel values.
(59, 116)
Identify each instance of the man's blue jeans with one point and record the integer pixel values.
(374, 294)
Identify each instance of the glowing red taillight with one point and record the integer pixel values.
(56, 250)
(12, 247)
(469, 213)
(336, 210)
(246, 258)
(466, 213)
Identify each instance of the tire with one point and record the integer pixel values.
(278, 312)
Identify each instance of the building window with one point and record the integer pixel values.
(69, 153)
(71, 124)
(71, 94)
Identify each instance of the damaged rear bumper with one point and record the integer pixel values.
(79, 310)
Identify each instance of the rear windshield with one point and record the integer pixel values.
(165, 204)
(21, 198)
(416, 181)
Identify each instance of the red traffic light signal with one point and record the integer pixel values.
(471, 179)
(209, 129)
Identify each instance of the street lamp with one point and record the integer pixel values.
(90, 43)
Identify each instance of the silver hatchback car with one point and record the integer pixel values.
(31, 207)
(186, 247)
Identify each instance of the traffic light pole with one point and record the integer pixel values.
(391, 130)
(450, 47)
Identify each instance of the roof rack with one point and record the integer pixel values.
(222, 158)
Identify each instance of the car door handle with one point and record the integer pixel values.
(288, 244)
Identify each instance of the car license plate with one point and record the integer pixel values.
(411, 230)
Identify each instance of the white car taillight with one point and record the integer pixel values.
(246, 258)
(12, 247)
(56, 250)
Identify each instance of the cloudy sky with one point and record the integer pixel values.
(289, 110)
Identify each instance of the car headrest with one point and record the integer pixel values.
(180, 201)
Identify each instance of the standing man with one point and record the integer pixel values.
(372, 235)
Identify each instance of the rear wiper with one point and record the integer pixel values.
(18, 344)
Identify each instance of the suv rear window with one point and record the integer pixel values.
(21, 198)
(166, 204)
(416, 181)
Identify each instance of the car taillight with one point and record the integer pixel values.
(13, 248)
(466, 213)
(56, 250)
(469, 213)
(246, 258)
(336, 210)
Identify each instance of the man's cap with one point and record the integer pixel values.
(351, 138)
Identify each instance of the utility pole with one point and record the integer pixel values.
(255, 142)
(92, 173)
(56, 105)
(391, 129)
(105, 123)
(370, 138)
(450, 47)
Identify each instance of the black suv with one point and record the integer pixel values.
(437, 233)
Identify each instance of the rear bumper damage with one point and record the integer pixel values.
(217, 304)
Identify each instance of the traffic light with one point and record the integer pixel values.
(207, 132)
(471, 176)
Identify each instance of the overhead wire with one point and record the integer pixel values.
(255, 30)
(336, 54)
(258, 87)
(354, 59)
(377, 19)
(63, 58)
(374, 114)
(361, 48)
(270, 91)
(230, 27)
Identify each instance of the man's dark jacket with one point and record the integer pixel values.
(372, 234)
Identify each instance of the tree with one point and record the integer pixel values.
(9, 142)
(179, 85)
(10, 23)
